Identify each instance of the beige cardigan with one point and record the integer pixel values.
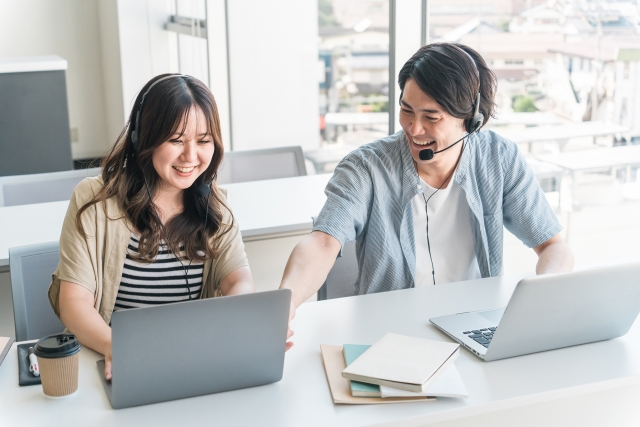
(96, 261)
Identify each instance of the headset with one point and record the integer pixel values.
(203, 190)
(471, 125)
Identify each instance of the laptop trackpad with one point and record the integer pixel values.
(492, 315)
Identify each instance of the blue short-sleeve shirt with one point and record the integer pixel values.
(369, 201)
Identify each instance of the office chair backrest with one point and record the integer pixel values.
(31, 268)
(41, 187)
(257, 165)
(341, 280)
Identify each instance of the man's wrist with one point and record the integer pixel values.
(295, 294)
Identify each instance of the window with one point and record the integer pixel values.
(560, 69)
(353, 56)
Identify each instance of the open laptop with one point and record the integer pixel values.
(552, 311)
(197, 347)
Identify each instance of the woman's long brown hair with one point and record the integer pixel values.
(166, 108)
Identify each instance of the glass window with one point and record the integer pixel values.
(569, 94)
(353, 81)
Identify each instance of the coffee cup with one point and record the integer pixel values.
(58, 360)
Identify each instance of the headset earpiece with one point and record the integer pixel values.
(134, 132)
(473, 124)
(135, 137)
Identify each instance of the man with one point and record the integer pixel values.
(427, 205)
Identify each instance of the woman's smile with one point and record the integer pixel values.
(184, 170)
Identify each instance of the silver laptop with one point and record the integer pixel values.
(197, 347)
(552, 311)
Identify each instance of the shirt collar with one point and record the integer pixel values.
(460, 176)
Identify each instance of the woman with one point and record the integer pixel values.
(141, 234)
(427, 205)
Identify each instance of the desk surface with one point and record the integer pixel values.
(303, 398)
(263, 209)
(596, 158)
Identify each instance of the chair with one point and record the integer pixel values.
(257, 165)
(41, 187)
(342, 277)
(31, 268)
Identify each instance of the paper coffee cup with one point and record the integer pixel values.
(58, 360)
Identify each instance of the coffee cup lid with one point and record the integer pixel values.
(55, 346)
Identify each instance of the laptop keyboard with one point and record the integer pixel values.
(481, 336)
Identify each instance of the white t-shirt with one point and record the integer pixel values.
(450, 236)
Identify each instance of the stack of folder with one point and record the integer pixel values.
(397, 368)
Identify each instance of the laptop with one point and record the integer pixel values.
(552, 311)
(192, 348)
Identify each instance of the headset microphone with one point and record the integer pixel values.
(204, 189)
(427, 154)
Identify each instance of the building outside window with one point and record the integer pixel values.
(569, 92)
(353, 50)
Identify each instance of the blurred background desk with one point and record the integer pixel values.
(610, 160)
(263, 209)
(592, 384)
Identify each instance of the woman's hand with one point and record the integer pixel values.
(107, 365)
(78, 314)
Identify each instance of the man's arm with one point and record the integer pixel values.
(307, 268)
(308, 265)
(554, 256)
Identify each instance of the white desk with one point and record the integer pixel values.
(609, 158)
(263, 209)
(302, 398)
(561, 132)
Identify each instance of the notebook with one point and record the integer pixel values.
(402, 362)
(359, 389)
(447, 384)
(333, 362)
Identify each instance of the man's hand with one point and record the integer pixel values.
(292, 314)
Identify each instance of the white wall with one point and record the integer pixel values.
(111, 67)
(113, 47)
(70, 29)
(273, 58)
(144, 45)
(218, 64)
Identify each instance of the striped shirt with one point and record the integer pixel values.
(160, 282)
(369, 201)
